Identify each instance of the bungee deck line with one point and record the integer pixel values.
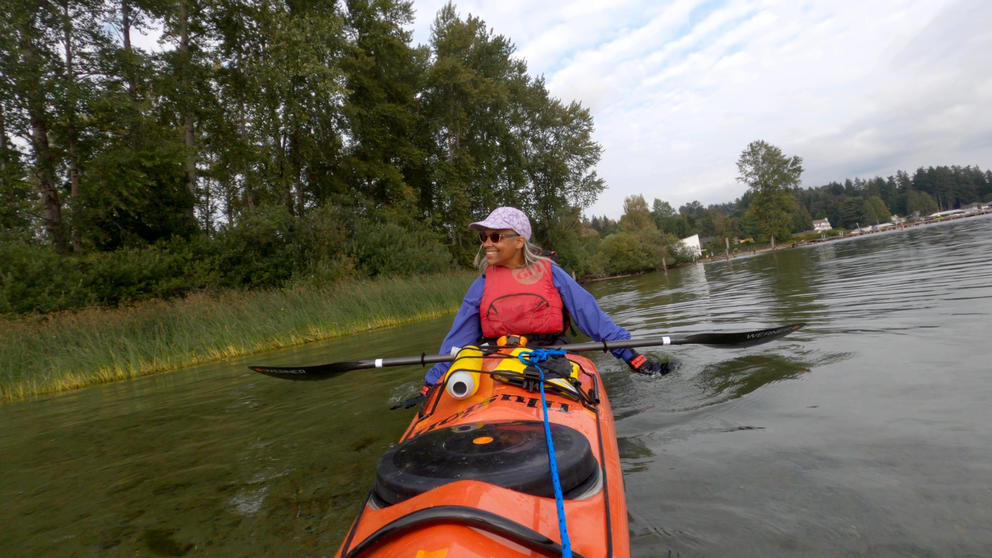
(532, 358)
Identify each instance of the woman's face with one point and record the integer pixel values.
(508, 252)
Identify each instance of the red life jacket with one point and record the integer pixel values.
(521, 301)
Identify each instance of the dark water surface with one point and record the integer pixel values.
(865, 434)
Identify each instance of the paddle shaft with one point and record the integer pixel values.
(721, 340)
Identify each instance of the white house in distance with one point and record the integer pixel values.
(691, 243)
(821, 225)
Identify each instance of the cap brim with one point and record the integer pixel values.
(487, 225)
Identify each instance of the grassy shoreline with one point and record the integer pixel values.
(59, 352)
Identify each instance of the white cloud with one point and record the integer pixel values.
(678, 89)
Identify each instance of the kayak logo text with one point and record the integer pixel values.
(529, 401)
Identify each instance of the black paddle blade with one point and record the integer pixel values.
(309, 373)
(742, 339)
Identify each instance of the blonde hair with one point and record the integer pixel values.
(532, 254)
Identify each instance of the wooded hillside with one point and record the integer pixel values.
(266, 143)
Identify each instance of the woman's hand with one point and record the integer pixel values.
(643, 365)
(413, 401)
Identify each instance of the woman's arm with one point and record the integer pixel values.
(466, 329)
(587, 315)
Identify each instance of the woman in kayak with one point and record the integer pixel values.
(520, 292)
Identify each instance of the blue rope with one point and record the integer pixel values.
(531, 358)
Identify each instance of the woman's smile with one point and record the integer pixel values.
(507, 252)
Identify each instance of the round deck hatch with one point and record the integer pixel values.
(513, 455)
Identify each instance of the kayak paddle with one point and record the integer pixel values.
(719, 340)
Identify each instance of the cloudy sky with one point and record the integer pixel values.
(857, 88)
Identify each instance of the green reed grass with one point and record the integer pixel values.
(57, 352)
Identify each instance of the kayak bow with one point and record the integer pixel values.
(470, 477)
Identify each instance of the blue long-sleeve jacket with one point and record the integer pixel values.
(581, 306)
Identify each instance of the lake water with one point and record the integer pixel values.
(867, 433)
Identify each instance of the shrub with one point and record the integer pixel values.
(625, 253)
(581, 256)
(36, 279)
(260, 250)
(322, 242)
(389, 249)
(266, 248)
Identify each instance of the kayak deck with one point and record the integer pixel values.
(470, 478)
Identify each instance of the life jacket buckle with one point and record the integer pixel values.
(512, 341)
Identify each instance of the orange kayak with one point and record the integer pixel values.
(470, 477)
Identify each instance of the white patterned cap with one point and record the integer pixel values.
(506, 218)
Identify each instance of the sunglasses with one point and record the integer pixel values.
(495, 236)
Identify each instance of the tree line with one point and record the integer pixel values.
(787, 210)
(268, 143)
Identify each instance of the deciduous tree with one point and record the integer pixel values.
(559, 158)
(471, 108)
(384, 159)
(30, 65)
(920, 203)
(772, 178)
(875, 210)
(16, 196)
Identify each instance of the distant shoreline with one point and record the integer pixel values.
(863, 232)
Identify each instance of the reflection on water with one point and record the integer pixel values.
(744, 374)
(636, 455)
(863, 434)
